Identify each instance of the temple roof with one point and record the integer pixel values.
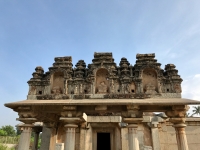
(158, 102)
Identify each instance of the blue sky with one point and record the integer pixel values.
(32, 33)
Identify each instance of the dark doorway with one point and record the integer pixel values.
(103, 141)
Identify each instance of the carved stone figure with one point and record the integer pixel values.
(127, 88)
(76, 90)
(122, 87)
(66, 88)
(177, 88)
(56, 90)
(32, 91)
(160, 87)
(81, 89)
(102, 88)
(112, 86)
(150, 89)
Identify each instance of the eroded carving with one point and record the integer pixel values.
(150, 89)
(102, 88)
(32, 90)
(102, 77)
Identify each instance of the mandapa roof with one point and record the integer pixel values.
(160, 102)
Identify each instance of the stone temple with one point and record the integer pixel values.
(107, 107)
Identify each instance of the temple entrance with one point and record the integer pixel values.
(103, 141)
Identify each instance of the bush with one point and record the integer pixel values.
(3, 147)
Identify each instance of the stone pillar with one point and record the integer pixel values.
(82, 136)
(36, 138)
(179, 125)
(124, 139)
(48, 139)
(132, 132)
(88, 138)
(132, 137)
(25, 137)
(70, 128)
(85, 136)
(70, 136)
(117, 138)
(155, 136)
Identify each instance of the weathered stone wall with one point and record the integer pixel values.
(168, 136)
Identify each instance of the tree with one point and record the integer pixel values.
(196, 110)
(18, 131)
(3, 133)
(9, 130)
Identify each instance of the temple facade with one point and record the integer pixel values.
(103, 106)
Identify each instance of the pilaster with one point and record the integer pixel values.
(25, 137)
(132, 132)
(179, 125)
(70, 130)
(71, 119)
(155, 135)
(177, 117)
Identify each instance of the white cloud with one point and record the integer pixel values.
(191, 87)
(191, 90)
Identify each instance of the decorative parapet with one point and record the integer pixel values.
(104, 79)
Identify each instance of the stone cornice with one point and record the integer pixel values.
(68, 102)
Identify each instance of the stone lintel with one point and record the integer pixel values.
(192, 119)
(70, 126)
(132, 126)
(24, 125)
(69, 107)
(132, 120)
(180, 107)
(27, 120)
(71, 120)
(113, 119)
(50, 124)
(24, 108)
(133, 107)
(101, 107)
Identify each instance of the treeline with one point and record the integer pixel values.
(8, 130)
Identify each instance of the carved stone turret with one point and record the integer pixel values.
(79, 78)
(173, 80)
(37, 76)
(79, 71)
(124, 69)
(104, 79)
(62, 62)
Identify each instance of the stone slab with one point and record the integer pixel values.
(59, 146)
(161, 102)
(104, 119)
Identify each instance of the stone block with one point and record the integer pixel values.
(193, 146)
(101, 107)
(148, 148)
(172, 147)
(163, 137)
(193, 138)
(124, 138)
(59, 146)
(104, 119)
(172, 138)
(147, 118)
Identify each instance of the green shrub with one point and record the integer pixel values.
(3, 147)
